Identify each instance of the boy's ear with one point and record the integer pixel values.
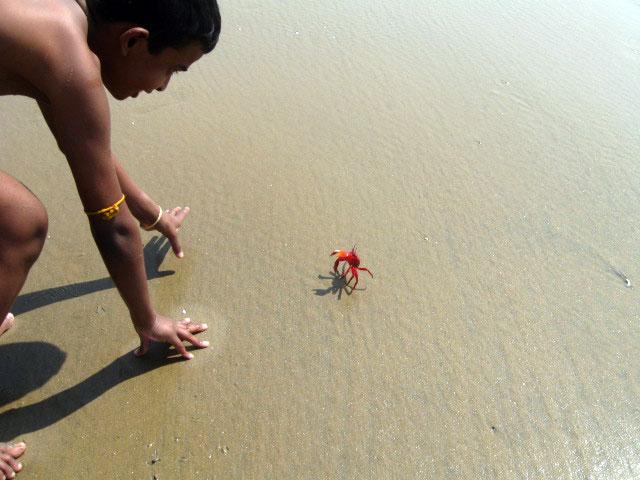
(131, 37)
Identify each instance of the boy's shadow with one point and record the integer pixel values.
(154, 252)
(27, 366)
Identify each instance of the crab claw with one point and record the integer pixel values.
(342, 255)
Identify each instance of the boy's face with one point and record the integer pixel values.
(136, 70)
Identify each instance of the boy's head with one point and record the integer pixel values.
(149, 40)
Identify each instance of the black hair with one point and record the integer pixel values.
(171, 23)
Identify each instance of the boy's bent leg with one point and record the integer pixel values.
(9, 454)
(23, 230)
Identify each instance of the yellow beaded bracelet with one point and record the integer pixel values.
(109, 212)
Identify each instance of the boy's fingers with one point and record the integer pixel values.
(15, 465)
(193, 340)
(143, 348)
(182, 350)
(183, 214)
(175, 245)
(5, 469)
(175, 212)
(180, 214)
(196, 327)
(17, 449)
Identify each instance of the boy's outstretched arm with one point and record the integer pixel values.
(146, 210)
(143, 208)
(78, 114)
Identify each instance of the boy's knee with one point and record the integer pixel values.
(36, 228)
(25, 228)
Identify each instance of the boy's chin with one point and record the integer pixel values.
(118, 94)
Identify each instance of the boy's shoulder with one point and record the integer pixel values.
(44, 44)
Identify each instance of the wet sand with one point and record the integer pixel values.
(484, 160)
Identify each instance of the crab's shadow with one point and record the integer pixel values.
(338, 286)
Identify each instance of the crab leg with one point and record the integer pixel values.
(366, 270)
(354, 270)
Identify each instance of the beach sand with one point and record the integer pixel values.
(484, 159)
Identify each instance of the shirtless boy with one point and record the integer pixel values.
(64, 54)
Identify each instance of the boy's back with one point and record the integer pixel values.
(39, 39)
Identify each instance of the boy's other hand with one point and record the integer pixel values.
(169, 224)
(166, 330)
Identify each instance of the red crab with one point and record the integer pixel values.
(353, 260)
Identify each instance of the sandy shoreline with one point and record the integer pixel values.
(482, 158)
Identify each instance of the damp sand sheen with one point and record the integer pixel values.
(483, 156)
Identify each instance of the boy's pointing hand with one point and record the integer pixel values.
(169, 224)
